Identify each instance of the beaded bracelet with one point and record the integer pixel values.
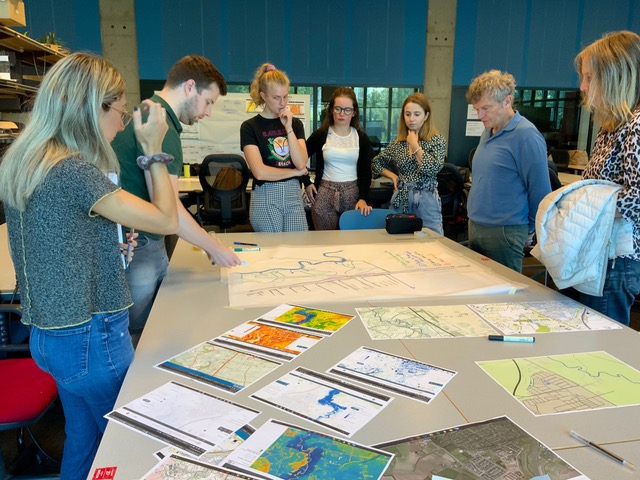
(145, 161)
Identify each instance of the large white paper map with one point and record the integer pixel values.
(370, 271)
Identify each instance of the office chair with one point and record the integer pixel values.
(452, 198)
(27, 392)
(354, 220)
(561, 159)
(224, 202)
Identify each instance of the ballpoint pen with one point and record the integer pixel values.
(130, 246)
(602, 450)
(246, 244)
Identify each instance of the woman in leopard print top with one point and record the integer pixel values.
(412, 163)
(610, 83)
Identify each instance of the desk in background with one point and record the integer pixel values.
(567, 178)
(191, 307)
(7, 273)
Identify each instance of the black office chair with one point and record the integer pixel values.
(561, 159)
(452, 197)
(224, 202)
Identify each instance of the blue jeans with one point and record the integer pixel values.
(503, 244)
(88, 363)
(621, 285)
(145, 274)
(425, 205)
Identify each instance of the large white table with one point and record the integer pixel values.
(191, 307)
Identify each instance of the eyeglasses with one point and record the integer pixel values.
(124, 115)
(346, 111)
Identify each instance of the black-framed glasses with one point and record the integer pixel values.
(124, 115)
(346, 111)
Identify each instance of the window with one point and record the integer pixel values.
(555, 112)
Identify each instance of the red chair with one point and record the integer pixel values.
(27, 391)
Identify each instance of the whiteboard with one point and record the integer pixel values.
(220, 132)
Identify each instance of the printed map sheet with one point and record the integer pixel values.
(323, 400)
(278, 450)
(495, 449)
(187, 418)
(221, 367)
(567, 383)
(175, 467)
(369, 271)
(479, 320)
(400, 375)
(306, 319)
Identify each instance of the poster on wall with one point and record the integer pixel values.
(220, 132)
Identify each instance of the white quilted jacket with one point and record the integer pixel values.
(576, 234)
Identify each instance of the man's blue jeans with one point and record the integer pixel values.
(621, 286)
(503, 244)
(88, 363)
(144, 276)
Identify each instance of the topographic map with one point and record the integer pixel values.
(175, 467)
(542, 317)
(446, 321)
(369, 271)
(495, 449)
(279, 450)
(477, 320)
(219, 366)
(567, 383)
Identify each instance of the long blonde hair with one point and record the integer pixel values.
(64, 123)
(266, 74)
(614, 90)
(428, 129)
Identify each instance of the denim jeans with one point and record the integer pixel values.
(145, 274)
(88, 363)
(621, 285)
(426, 205)
(503, 244)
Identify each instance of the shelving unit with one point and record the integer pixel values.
(35, 58)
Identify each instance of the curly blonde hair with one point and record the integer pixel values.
(496, 85)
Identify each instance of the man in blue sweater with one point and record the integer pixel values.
(510, 173)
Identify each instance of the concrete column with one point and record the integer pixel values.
(119, 43)
(438, 75)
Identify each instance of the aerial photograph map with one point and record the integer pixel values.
(495, 449)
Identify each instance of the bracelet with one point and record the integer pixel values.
(290, 131)
(145, 161)
(417, 150)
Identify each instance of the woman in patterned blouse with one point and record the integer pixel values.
(417, 155)
(610, 82)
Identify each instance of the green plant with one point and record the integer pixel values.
(50, 39)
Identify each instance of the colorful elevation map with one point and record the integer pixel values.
(304, 455)
(567, 383)
(496, 449)
(308, 318)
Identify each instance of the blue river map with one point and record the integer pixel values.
(303, 455)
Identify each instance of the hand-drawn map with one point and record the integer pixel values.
(371, 271)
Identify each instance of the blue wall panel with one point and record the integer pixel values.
(379, 42)
(79, 30)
